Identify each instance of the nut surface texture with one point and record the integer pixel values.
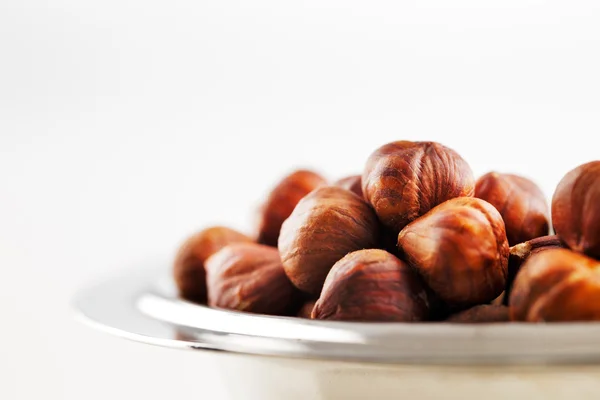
(404, 180)
(521, 203)
(576, 209)
(249, 277)
(281, 202)
(485, 313)
(325, 226)
(461, 251)
(306, 309)
(188, 268)
(372, 285)
(557, 285)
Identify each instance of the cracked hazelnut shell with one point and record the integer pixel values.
(521, 203)
(576, 209)
(249, 277)
(372, 285)
(557, 285)
(326, 225)
(188, 268)
(460, 250)
(404, 180)
(281, 202)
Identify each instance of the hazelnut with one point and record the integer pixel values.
(306, 309)
(188, 268)
(576, 209)
(404, 180)
(520, 252)
(485, 313)
(281, 202)
(249, 277)
(372, 285)
(521, 203)
(325, 226)
(352, 183)
(460, 250)
(557, 285)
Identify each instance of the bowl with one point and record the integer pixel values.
(269, 357)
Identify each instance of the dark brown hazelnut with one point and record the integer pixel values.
(372, 285)
(485, 313)
(557, 285)
(460, 250)
(249, 277)
(576, 209)
(188, 268)
(521, 252)
(306, 309)
(404, 180)
(281, 202)
(521, 203)
(352, 183)
(325, 226)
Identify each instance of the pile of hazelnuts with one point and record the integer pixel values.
(414, 238)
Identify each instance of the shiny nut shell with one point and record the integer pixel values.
(352, 183)
(404, 180)
(372, 285)
(482, 314)
(325, 226)
(460, 250)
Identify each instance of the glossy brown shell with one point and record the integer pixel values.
(482, 314)
(372, 285)
(281, 202)
(460, 250)
(249, 277)
(404, 180)
(557, 285)
(521, 203)
(325, 226)
(576, 209)
(188, 268)
(306, 309)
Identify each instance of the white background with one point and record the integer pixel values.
(125, 125)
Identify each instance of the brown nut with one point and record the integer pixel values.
(576, 209)
(281, 202)
(372, 285)
(521, 203)
(519, 254)
(485, 313)
(352, 183)
(249, 277)
(325, 226)
(306, 309)
(404, 180)
(188, 268)
(460, 250)
(557, 285)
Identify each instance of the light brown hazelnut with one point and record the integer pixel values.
(281, 202)
(404, 180)
(557, 285)
(352, 183)
(325, 226)
(188, 269)
(521, 203)
(249, 277)
(576, 209)
(306, 309)
(372, 285)
(521, 252)
(460, 250)
(482, 314)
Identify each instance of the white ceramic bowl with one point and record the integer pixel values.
(290, 358)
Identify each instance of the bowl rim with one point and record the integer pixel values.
(142, 305)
